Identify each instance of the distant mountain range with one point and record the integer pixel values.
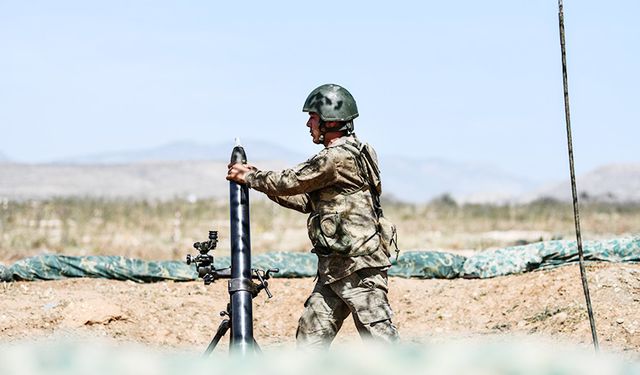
(422, 180)
(611, 183)
(139, 180)
(191, 170)
(187, 150)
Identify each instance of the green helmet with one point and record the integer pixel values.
(332, 103)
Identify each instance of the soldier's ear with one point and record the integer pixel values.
(332, 124)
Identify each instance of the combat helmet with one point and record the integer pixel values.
(332, 103)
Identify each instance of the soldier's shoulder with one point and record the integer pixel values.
(338, 154)
(325, 158)
(329, 153)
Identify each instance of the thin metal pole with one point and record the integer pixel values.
(576, 213)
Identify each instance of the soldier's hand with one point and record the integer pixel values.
(237, 172)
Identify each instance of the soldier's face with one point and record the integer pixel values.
(314, 127)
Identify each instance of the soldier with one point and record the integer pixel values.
(335, 187)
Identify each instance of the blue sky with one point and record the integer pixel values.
(462, 81)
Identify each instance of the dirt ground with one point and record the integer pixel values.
(185, 315)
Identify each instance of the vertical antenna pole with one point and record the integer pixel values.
(576, 213)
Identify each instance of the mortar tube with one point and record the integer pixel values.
(242, 341)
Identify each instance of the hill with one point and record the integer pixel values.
(609, 183)
(187, 150)
(194, 170)
(179, 170)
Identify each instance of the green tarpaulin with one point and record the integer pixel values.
(419, 264)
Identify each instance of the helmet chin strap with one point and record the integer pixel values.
(346, 129)
(323, 130)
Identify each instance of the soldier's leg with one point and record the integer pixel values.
(323, 315)
(383, 331)
(365, 292)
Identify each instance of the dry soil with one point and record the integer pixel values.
(185, 315)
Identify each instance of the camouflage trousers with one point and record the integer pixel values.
(362, 294)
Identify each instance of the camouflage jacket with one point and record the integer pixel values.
(342, 224)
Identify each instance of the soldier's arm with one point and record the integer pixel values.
(314, 174)
(298, 202)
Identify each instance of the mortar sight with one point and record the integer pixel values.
(206, 246)
(204, 260)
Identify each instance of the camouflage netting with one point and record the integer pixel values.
(548, 254)
(427, 265)
(419, 264)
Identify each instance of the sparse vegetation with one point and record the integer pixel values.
(166, 229)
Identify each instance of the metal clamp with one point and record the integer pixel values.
(242, 284)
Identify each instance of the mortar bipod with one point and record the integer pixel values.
(204, 263)
(235, 286)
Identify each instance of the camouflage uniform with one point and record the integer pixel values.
(342, 226)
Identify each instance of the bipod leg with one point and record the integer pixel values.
(256, 347)
(222, 329)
